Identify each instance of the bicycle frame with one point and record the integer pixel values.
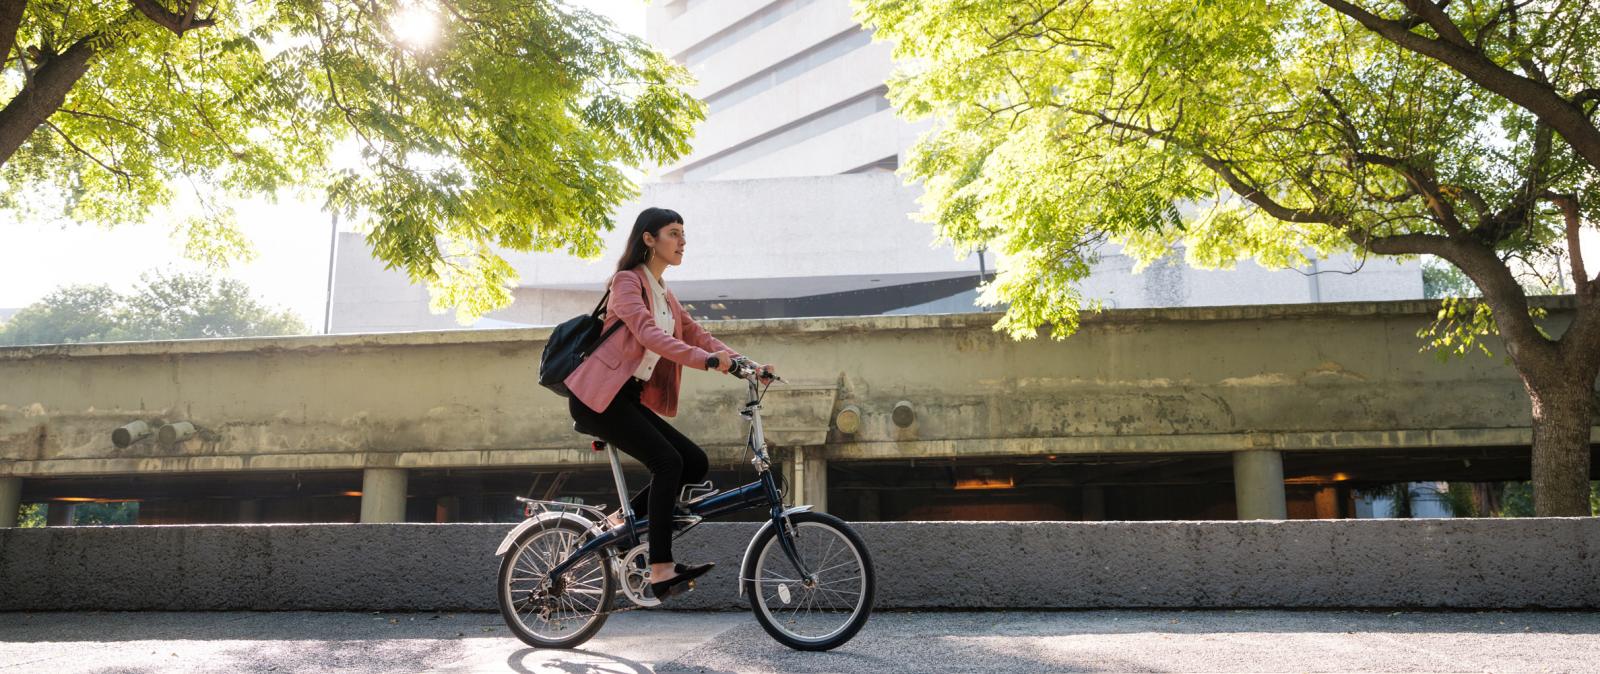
(763, 492)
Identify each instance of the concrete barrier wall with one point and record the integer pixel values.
(1552, 563)
(1294, 377)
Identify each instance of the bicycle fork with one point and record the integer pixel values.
(786, 536)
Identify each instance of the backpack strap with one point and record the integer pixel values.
(599, 313)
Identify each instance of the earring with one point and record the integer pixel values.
(648, 252)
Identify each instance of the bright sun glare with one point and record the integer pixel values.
(415, 27)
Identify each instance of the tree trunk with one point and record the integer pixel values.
(1563, 413)
(43, 96)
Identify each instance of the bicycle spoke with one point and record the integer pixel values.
(827, 555)
(815, 610)
(835, 566)
(583, 589)
(851, 598)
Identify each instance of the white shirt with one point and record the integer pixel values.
(663, 314)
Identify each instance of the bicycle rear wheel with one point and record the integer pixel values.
(820, 612)
(562, 612)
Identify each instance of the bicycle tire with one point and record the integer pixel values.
(766, 548)
(505, 593)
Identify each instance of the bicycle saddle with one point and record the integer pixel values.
(584, 430)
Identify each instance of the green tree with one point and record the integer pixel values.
(180, 306)
(1440, 280)
(83, 313)
(30, 515)
(480, 123)
(184, 306)
(119, 512)
(1462, 130)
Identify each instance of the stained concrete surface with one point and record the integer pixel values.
(642, 641)
(1392, 563)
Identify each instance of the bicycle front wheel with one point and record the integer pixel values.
(553, 612)
(823, 610)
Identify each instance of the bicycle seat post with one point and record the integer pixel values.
(622, 491)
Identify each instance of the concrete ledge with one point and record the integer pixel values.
(1547, 563)
(766, 326)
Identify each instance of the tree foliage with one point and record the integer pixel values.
(1290, 128)
(31, 515)
(180, 306)
(1271, 130)
(511, 127)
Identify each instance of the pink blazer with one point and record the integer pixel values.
(602, 374)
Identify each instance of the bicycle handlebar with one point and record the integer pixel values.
(742, 368)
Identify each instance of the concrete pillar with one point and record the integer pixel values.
(447, 509)
(383, 495)
(10, 500)
(249, 511)
(1094, 504)
(805, 471)
(784, 463)
(816, 464)
(59, 514)
(1258, 485)
(1327, 502)
(870, 504)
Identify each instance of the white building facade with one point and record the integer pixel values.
(792, 88)
(792, 207)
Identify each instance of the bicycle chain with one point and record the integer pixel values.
(617, 592)
(614, 611)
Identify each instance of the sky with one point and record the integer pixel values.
(291, 239)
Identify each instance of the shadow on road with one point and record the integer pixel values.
(573, 662)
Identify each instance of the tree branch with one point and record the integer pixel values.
(1435, 17)
(1423, 182)
(1566, 117)
(1347, 125)
(143, 131)
(43, 94)
(1568, 203)
(166, 18)
(1496, 227)
(1469, 195)
(10, 20)
(1240, 185)
(1500, 289)
(1017, 29)
(127, 180)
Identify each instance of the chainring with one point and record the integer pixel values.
(633, 572)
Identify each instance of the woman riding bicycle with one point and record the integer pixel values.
(630, 381)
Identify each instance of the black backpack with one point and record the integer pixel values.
(570, 343)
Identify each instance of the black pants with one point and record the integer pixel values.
(672, 459)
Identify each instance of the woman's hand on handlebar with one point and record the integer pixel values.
(720, 361)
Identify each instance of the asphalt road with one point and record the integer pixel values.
(642, 641)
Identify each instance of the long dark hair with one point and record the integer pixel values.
(650, 220)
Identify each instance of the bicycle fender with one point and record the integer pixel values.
(505, 545)
(751, 547)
